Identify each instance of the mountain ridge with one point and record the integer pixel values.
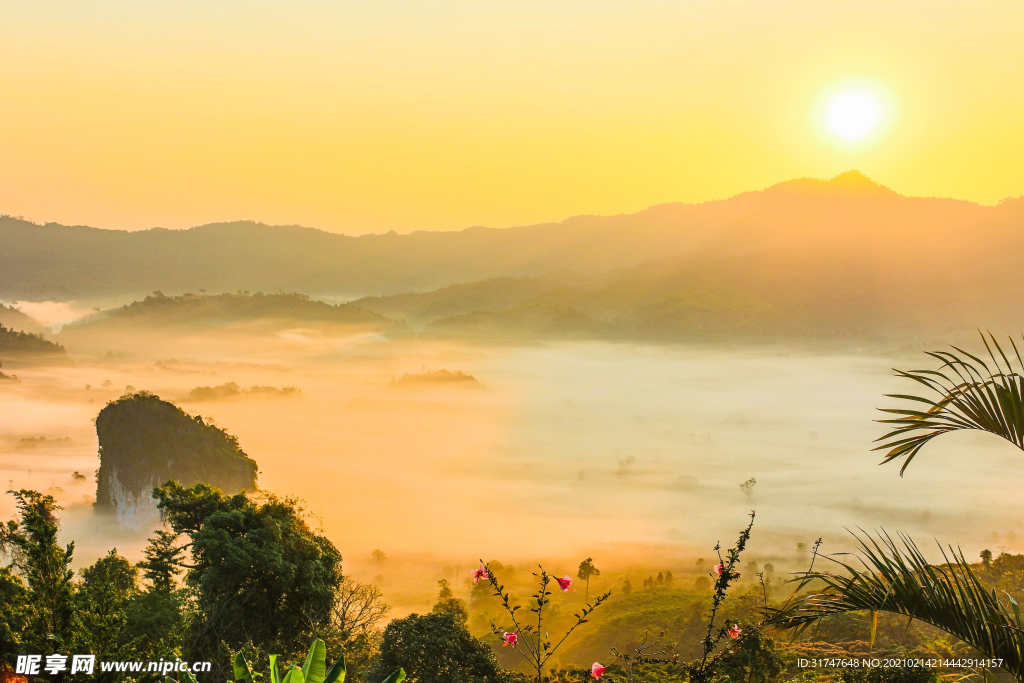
(847, 212)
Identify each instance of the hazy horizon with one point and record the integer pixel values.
(555, 220)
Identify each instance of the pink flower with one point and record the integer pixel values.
(718, 569)
(564, 582)
(735, 631)
(510, 638)
(596, 670)
(480, 573)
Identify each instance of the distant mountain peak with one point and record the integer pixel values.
(852, 176)
(850, 183)
(854, 179)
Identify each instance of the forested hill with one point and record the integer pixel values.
(849, 218)
(204, 311)
(13, 342)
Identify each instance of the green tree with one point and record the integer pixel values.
(46, 568)
(157, 614)
(258, 573)
(102, 600)
(435, 648)
(163, 561)
(587, 569)
(754, 659)
(14, 610)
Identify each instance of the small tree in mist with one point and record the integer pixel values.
(449, 604)
(748, 487)
(587, 569)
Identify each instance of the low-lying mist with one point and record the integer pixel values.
(632, 455)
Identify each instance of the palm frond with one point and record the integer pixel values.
(967, 393)
(899, 580)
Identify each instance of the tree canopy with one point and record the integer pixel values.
(435, 648)
(258, 572)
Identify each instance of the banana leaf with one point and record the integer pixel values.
(241, 668)
(315, 666)
(337, 672)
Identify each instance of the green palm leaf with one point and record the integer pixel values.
(899, 580)
(966, 393)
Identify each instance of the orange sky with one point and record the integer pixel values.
(368, 116)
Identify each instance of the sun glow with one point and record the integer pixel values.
(853, 114)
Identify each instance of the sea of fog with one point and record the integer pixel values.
(630, 454)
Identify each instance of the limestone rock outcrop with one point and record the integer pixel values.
(146, 442)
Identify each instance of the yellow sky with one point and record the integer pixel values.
(367, 116)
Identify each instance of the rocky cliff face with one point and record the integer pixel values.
(146, 442)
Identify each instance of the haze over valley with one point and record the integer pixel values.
(596, 387)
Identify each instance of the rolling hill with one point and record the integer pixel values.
(16, 343)
(201, 311)
(13, 318)
(839, 259)
(849, 216)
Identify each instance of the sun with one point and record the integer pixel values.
(854, 113)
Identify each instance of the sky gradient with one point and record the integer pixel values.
(400, 115)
